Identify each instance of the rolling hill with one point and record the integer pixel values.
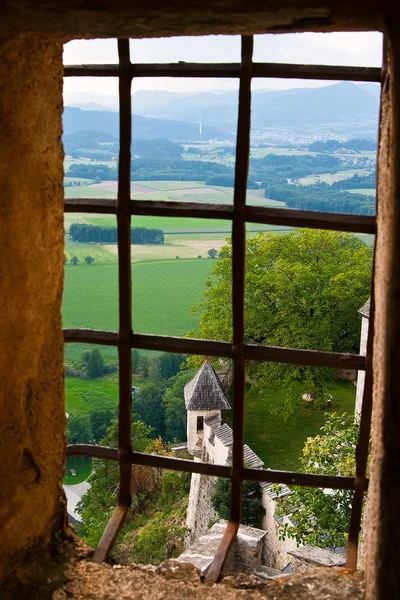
(76, 119)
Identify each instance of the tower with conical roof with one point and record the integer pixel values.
(203, 398)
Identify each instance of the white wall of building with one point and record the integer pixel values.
(361, 374)
(193, 435)
(275, 550)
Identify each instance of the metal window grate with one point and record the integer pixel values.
(238, 350)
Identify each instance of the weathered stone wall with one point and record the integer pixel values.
(31, 275)
(275, 551)
(85, 18)
(383, 535)
(200, 511)
(309, 558)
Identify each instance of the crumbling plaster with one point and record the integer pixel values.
(150, 18)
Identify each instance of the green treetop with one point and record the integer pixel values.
(303, 290)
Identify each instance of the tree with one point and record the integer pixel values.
(143, 365)
(74, 260)
(154, 367)
(97, 505)
(100, 421)
(252, 510)
(212, 253)
(89, 260)
(95, 364)
(321, 517)
(170, 364)
(174, 407)
(148, 407)
(79, 430)
(135, 360)
(303, 290)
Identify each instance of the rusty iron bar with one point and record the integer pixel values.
(239, 351)
(214, 572)
(125, 308)
(163, 343)
(238, 292)
(227, 70)
(311, 219)
(253, 214)
(109, 536)
(290, 478)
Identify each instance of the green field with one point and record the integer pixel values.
(331, 177)
(163, 294)
(85, 395)
(101, 254)
(366, 191)
(88, 191)
(279, 443)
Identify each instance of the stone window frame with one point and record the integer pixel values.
(238, 351)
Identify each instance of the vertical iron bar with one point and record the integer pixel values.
(238, 297)
(125, 305)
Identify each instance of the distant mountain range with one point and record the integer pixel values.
(344, 107)
(76, 119)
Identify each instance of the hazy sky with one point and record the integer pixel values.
(358, 49)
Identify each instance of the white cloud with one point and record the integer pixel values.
(358, 49)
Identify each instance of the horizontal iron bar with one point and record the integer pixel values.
(302, 479)
(253, 214)
(90, 205)
(227, 70)
(311, 219)
(180, 464)
(190, 466)
(102, 452)
(211, 348)
(314, 358)
(181, 345)
(91, 336)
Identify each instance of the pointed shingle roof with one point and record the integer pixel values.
(364, 310)
(204, 391)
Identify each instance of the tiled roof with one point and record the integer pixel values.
(364, 310)
(225, 434)
(204, 391)
(251, 459)
(213, 420)
(269, 488)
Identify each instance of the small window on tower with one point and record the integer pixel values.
(200, 423)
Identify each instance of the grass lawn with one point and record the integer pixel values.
(163, 293)
(84, 395)
(82, 465)
(279, 443)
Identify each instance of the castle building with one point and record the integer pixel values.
(210, 440)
